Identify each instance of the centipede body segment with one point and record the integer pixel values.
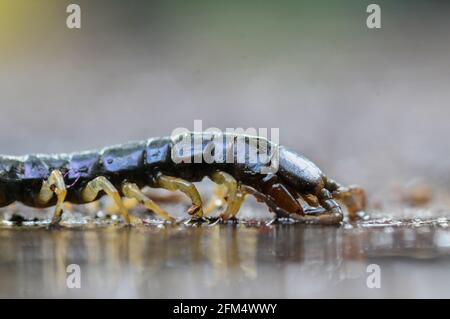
(172, 163)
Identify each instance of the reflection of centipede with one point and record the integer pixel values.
(123, 170)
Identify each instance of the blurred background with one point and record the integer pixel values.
(369, 106)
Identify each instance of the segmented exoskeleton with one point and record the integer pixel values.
(174, 163)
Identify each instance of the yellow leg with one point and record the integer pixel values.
(101, 183)
(240, 197)
(234, 196)
(174, 184)
(217, 201)
(54, 185)
(131, 190)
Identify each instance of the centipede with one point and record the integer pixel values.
(295, 189)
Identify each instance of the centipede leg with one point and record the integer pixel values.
(240, 198)
(234, 197)
(311, 200)
(319, 215)
(131, 190)
(101, 183)
(275, 190)
(173, 184)
(269, 201)
(334, 213)
(54, 185)
(217, 200)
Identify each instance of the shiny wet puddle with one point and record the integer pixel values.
(229, 261)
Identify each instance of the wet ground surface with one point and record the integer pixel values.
(247, 260)
(369, 107)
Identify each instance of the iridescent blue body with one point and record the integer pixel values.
(140, 162)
